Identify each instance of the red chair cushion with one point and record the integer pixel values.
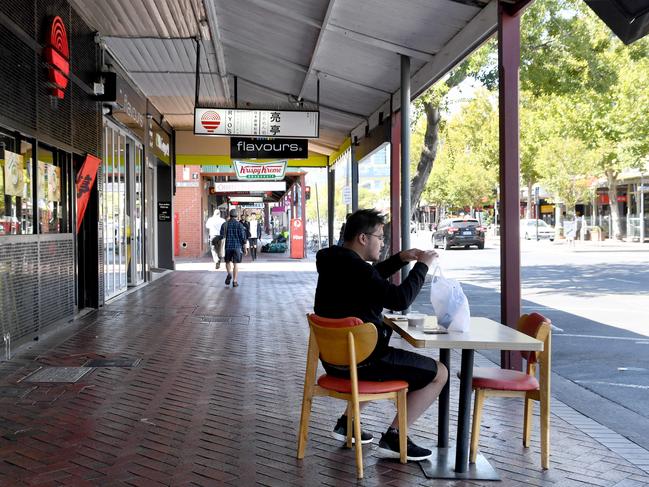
(503, 379)
(335, 322)
(364, 386)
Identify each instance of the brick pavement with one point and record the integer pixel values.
(216, 400)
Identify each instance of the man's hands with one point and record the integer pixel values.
(424, 256)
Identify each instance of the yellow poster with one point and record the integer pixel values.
(42, 182)
(14, 174)
(53, 183)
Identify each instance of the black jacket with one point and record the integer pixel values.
(349, 286)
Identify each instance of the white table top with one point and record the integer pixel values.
(484, 334)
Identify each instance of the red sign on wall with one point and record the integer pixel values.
(297, 238)
(84, 183)
(57, 55)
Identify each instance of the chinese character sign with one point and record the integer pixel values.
(260, 123)
(84, 183)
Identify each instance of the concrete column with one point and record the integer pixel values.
(405, 158)
(331, 189)
(395, 188)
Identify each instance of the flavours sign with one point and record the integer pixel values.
(267, 171)
(57, 56)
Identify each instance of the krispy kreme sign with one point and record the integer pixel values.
(260, 171)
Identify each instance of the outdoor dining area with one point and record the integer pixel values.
(216, 400)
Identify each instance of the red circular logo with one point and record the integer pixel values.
(210, 121)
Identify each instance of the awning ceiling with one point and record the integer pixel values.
(278, 50)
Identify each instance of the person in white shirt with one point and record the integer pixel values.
(255, 234)
(213, 225)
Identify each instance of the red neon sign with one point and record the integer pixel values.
(57, 55)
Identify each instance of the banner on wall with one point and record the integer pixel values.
(84, 183)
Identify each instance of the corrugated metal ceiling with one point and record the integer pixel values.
(278, 49)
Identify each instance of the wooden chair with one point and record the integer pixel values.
(347, 341)
(492, 381)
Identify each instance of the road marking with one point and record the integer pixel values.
(635, 339)
(622, 280)
(628, 386)
(638, 369)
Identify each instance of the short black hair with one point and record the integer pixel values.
(362, 221)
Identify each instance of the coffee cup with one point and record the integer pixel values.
(416, 320)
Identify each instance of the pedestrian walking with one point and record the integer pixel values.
(235, 246)
(213, 225)
(254, 232)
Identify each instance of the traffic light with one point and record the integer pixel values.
(307, 192)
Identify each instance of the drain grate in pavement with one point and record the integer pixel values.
(113, 362)
(58, 374)
(17, 392)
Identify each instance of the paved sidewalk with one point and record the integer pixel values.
(215, 400)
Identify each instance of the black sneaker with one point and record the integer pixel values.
(218, 264)
(340, 432)
(389, 447)
(228, 279)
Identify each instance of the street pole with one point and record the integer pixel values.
(536, 211)
(317, 210)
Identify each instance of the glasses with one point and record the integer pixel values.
(380, 237)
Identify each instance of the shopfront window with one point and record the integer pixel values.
(50, 173)
(16, 206)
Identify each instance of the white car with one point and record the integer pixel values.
(536, 229)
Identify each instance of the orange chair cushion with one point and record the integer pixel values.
(335, 322)
(503, 379)
(364, 386)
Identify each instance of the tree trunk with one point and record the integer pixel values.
(528, 210)
(615, 231)
(428, 154)
(424, 167)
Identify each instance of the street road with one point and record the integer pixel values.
(598, 300)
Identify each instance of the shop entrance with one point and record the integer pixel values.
(122, 204)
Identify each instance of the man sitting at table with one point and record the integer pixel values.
(349, 286)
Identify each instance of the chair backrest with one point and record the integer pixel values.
(333, 337)
(536, 326)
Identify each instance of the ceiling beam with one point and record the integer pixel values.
(318, 43)
(213, 22)
(381, 44)
(288, 97)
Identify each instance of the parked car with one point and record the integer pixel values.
(459, 232)
(529, 229)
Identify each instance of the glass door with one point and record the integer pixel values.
(121, 205)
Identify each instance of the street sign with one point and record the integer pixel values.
(256, 123)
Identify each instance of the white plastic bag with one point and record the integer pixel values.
(449, 303)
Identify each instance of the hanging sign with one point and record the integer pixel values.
(260, 171)
(256, 123)
(250, 148)
(85, 181)
(249, 186)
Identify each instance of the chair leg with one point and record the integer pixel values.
(545, 430)
(304, 423)
(402, 412)
(475, 428)
(350, 415)
(527, 421)
(357, 433)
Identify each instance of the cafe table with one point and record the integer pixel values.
(484, 334)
